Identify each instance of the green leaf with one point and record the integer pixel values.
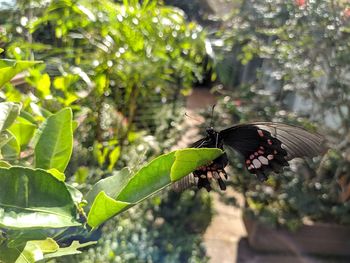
(35, 249)
(104, 208)
(19, 237)
(76, 195)
(4, 164)
(9, 255)
(34, 199)
(55, 143)
(46, 246)
(8, 114)
(10, 68)
(81, 174)
(187, 160)
(11, 150)
(164, 170)
(28, 117)
(57, 174)
(43, 85)
(1, 50)
(71, 250)
(117, 193)
(30, 254)
(23, 130)
(111, 185)
(113, 158)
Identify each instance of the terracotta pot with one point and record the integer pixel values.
(319, 238)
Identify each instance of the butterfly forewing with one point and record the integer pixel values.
(297, 141)
(268, 146)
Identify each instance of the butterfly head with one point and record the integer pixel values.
(211, 132)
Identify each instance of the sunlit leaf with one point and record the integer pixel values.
(46, 246)
(34, 199)
(117, 193)
(113, 157)
(11, 149)
(4, 164)
(10, 68)
(81, 174)
(8, 114)
(57, 174)
(111, 185)
(43, 85)
(105, 207)
(71, 250)
(55, 143)
(23, 130)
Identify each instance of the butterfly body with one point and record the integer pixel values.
(265, 147)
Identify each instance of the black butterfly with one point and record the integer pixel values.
(265, 146)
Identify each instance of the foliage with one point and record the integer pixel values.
(186, 212)
(121, 68)
(301, 52)
(39, 209)
(109, 57)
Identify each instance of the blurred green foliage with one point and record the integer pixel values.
(109, 59)
(123, 68)
(295, 55)
(167, 228)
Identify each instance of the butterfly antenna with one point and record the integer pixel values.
(212, 116)
(192, 117)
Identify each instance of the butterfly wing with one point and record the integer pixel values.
(190, 180)
(204, 175)
(268, 146)
(297, 141)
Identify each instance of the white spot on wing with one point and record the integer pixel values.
(263, 160)
(270, 157)
(256, 163)
(260, 132)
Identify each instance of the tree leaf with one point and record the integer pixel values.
(111, 185)
(71, 250)
(81, 174)
(35, 249)
(57, 174)
(55, 143)
(43, 85)
(4, 164)
(8, 254)
(23, 130)
(11, 150)
(10, 68)
(113, 158)
(34, 199)
(164, 170)
(46, 246)
(115, 194)
(19, 237)
(76, 195)
(104, 208)
(30, 254)
(8, 114)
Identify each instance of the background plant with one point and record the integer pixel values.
(37, 189)
(97, 65)
(289, 64)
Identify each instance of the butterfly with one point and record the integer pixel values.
(265, 146)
